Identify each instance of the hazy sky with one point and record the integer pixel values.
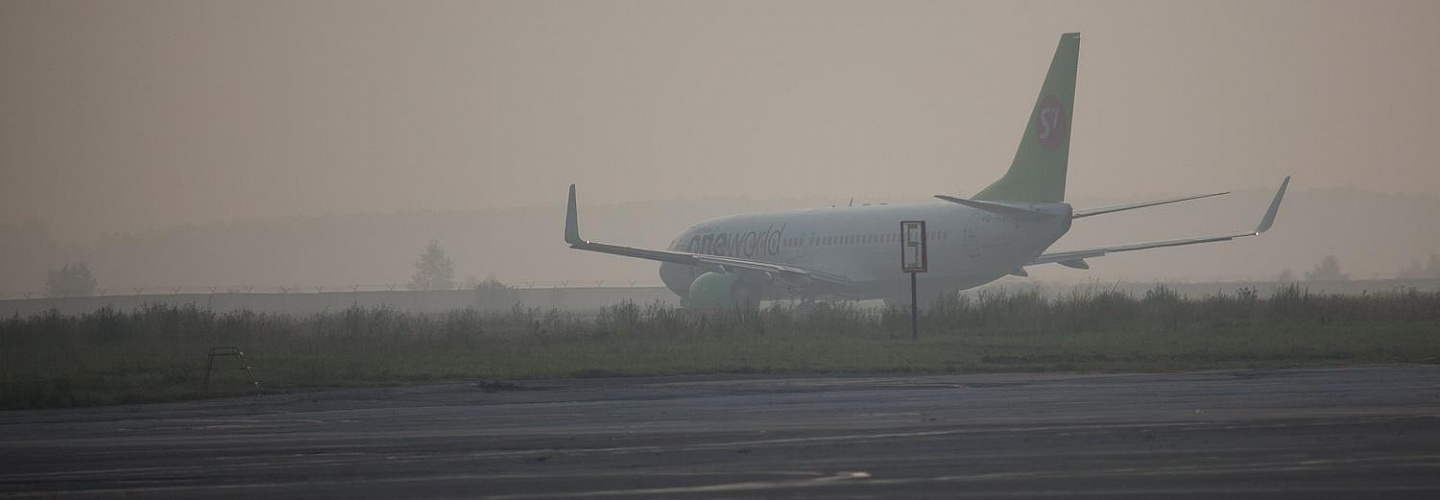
(123, 115)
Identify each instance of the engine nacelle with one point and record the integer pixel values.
(719, 290)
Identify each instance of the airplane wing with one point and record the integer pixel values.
(1076, 258)
(714, 262)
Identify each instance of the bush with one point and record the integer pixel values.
(156, 352)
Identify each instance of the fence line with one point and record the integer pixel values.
(316, 289)
(1349, 286)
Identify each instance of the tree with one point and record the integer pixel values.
(433, 270)
(70, 281)
(1286, 276)
(1327, 270)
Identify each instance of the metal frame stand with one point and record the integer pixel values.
(229, 351)
(914, 311)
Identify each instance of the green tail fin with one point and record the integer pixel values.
(1038, 172)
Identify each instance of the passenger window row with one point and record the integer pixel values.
(869, 239)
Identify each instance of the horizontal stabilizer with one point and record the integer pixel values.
(999, 208)
(1131, 206)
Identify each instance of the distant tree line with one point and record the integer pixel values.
(1329, 270)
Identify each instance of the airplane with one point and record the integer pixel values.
(850, 252)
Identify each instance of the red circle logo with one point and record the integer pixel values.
(1052, 123)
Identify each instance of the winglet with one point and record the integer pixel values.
(572, 228)
(1269, 219)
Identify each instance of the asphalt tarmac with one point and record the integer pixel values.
(1370, 432)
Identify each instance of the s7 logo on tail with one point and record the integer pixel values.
(1051, 123)
(1049, 118)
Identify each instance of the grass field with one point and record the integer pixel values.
(157, 353)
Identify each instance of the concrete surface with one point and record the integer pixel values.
(1324, 433)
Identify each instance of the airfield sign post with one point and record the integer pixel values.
(913, 260)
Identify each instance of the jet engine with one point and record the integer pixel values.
(721, 290)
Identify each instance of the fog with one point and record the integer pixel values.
(1371, 235)
(325, 143)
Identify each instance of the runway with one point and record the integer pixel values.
(1353, 432)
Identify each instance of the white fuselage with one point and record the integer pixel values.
(967, 247)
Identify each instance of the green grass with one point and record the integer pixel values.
(157, 353)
